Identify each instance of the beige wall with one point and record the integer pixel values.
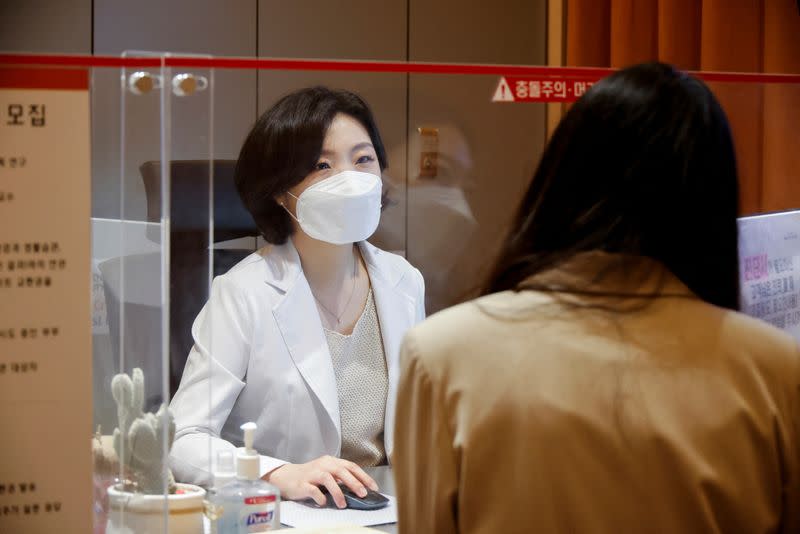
(490, 149)
(188, 26)
(448, 225)
(64, 26)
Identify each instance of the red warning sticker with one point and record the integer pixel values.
(528, 89)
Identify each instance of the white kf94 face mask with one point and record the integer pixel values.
(342, 209)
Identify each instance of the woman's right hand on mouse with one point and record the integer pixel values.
(302, 481)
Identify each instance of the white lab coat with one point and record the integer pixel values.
(260, 354)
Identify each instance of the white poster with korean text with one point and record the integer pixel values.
(45, 298)
(769, 269)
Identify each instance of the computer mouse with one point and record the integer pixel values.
(371, 501)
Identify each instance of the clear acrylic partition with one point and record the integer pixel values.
(484, 154)
(166, 217)
(447, 219)
(460, 157)
(457, 164)
(152, 260)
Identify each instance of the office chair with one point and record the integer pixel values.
(189, 240)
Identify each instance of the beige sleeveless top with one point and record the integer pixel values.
(362, 382)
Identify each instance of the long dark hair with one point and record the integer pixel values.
(643, 165)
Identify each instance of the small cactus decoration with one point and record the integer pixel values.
(138, 439)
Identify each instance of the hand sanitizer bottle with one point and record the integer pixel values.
(249, 504)
(224, 474)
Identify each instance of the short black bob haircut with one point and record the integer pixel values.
(284, 146)
(642, 165)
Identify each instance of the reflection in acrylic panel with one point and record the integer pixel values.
(769, 269)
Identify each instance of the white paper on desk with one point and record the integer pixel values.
(294, 514)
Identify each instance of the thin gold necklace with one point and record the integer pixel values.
(347, 304)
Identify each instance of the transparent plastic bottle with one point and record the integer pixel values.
(224, 474)
(249, 504)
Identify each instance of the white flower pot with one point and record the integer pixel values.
(137, 513)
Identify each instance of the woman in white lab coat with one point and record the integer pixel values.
(302, 336)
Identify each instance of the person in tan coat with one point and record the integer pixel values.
(605, 381)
